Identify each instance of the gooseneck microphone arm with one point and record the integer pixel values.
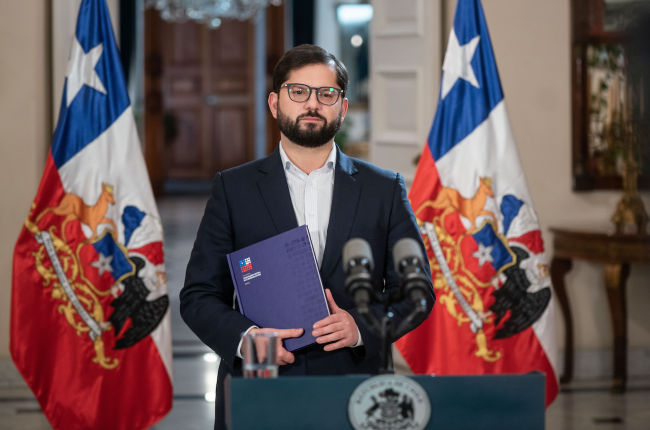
(358, 265)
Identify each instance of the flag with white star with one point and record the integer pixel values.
(494, 312)
(90, 319)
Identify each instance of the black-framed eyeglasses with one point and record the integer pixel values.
(300, 93)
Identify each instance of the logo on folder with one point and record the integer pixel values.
(245, 265)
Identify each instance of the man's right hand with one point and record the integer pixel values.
(284, 356)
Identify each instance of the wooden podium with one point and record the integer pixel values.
(503, 402)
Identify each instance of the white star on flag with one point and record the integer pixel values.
(483, 254)
(103, 264)
(457, 63)
(81, 70)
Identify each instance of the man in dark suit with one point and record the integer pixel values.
(306, 180)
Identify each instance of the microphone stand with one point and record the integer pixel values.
(386, 337)
(385, 329)
(359, 284)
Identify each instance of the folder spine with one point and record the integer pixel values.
(313, 252)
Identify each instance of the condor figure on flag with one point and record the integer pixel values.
(469, 194)
(90, 320)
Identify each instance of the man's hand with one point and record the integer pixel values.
(284, 356)
(340, 326)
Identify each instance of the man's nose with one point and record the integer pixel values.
(312, 103)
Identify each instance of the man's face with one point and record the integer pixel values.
(310, 124)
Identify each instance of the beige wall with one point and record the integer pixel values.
(24, 124)
(531, 43)
(26, 114)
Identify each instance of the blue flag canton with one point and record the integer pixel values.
(90, 112)
(466, 106)
(245, 265)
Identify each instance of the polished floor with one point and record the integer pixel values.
(582, 405)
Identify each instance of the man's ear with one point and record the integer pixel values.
(273, 104)
(344, 108)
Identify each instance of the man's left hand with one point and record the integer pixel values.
(339, 326)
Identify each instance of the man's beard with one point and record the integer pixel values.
(311, 136)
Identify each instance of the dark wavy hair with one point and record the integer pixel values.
(305, 55)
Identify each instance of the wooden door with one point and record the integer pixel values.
(208, 97)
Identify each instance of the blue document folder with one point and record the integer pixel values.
(278, 284)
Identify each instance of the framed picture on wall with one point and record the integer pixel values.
(602, 90)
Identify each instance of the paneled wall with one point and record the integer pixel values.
(405, 51)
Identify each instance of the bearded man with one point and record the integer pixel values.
(306, 180)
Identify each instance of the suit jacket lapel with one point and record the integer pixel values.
(345, 198)
(275, 192)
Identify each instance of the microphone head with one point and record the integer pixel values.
(406, 248)
(357, 249)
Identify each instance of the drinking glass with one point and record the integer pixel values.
(260, 355)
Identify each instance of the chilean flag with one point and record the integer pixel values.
(90, 319)
(495, 311)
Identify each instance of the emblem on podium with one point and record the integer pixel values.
(389, 402)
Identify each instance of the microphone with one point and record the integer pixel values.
(408, 260)
(357, 264)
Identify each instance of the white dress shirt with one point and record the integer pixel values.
(311, 195)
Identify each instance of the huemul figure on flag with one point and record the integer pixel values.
(90, 319)
(494, 311)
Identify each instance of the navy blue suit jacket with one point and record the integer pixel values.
(251, 203)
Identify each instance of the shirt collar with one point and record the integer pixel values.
(331, 159)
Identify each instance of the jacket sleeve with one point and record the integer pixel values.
(401, 224)
(208, 295)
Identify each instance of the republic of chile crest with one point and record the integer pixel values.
(487, 262)
(105, 277)
(389, 402)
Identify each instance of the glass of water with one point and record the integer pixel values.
(260, 355)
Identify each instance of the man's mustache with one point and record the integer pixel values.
(312, 114)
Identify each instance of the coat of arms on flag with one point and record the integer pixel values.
(494, 312)
(90, 319)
